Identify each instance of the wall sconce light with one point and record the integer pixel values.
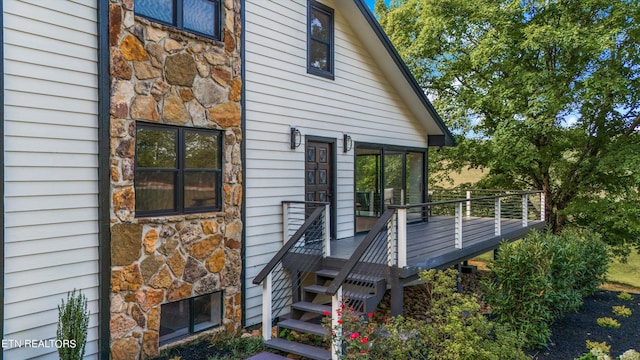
(296, 138)
(347, 143)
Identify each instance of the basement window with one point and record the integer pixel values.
(197, 16)
(182, 318)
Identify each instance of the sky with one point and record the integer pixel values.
(371, 3)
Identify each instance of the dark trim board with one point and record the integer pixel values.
(104, 230)
(243, 157)
(2, 175)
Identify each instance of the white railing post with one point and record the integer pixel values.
(391, 242)
(372, 201)
(468, 203)
(336, 327)
(266, 307)
(402, 237)
(498, 215)
(458, 226)
(285, 223)
(326, 229)
(543, 206)
(525, 210)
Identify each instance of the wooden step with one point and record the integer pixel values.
(308, 351)
(311, 307)
(303, 326)
(331, 274)
(348, 294)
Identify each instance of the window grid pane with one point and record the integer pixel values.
(207, 311)
(161, 10)
(200, 189)
(200, 16)
(155, 190)
(174, 321)
(201, 150)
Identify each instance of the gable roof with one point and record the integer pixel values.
(370, 33)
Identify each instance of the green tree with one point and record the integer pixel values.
(544, 93)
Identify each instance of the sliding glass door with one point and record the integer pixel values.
(386, 176)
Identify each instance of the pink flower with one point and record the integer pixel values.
(354, 335)
(364, 340)
(370, 314)
(327, 313)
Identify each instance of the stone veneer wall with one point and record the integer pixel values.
(165, 75)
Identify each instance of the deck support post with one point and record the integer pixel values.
(402, 237)
(396, 292)
(326, 232)
(267, 319)
(498, 215)
(543, 206)
(459, 277)
(525, 210)
(458, 226)
(468, 203)
(336, 306)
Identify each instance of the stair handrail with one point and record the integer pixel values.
(287, 246)
(348, 267)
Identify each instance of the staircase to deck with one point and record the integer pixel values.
(361, 292)
(303, 284)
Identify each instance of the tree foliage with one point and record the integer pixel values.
(545, 94)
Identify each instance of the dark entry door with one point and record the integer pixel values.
(318, 174)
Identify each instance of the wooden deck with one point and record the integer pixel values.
(431, 244)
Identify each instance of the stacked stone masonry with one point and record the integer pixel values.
(164, 75)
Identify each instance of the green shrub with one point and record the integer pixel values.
(73, 323)
(625, 296)
(543, 277)
(608, 322)
(455, 328)
(622, 311)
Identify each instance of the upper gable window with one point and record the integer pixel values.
(320, 40)
(198, 16)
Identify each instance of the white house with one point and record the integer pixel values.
(50, 121)
(297, 100)
(325, 71)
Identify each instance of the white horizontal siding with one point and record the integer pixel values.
(279, 94)
(51, 167)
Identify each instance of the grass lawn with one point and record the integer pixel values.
(619, 273)
(629, 273)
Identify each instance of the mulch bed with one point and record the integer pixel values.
(569, 334)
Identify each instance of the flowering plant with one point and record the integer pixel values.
(354, 331)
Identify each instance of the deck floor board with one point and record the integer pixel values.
(432, 244)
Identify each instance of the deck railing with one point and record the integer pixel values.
(306, 234)
(455, 211)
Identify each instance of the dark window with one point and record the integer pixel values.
(178, 170)
(320, 40)
(184, 317)
(198, 16)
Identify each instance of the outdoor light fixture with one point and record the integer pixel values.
(296, 138)
(347, 143)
